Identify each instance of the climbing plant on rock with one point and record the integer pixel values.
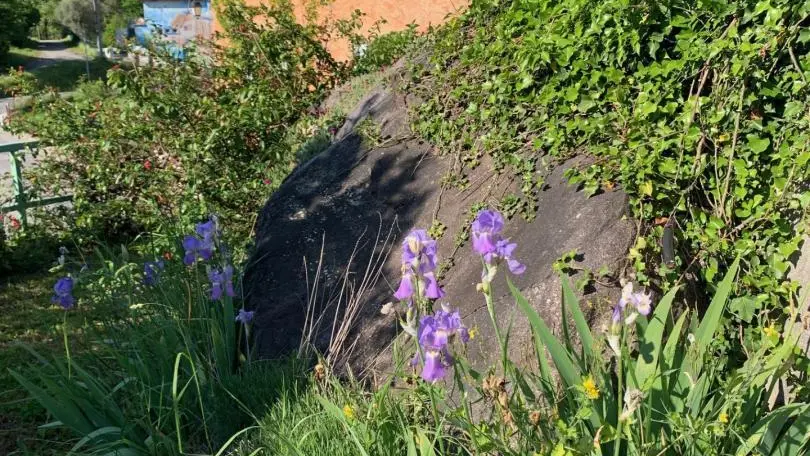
(698, 110)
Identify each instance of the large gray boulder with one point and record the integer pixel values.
(356, 203)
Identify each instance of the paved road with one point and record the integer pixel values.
(49, 53)
(6, 137)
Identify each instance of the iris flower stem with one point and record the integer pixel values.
(247, 342)
(65, 340)
(619, 396)
(491, 309)
(435, 407)
(421, 301)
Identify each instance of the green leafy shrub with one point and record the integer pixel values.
(697, 110)
(111, 26)
(31, 249)
(382, 49)
(17, 82)
(161, 144)
(172, 142)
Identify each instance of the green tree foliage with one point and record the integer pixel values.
(111, 26)
(18, 17)
(118, 15)
(79, 17)
(48, 27)
(130, 9)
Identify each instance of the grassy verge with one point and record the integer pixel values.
(26, 317)
(66, 75)
(18, 57)
(84, 49)
(161, 366)
(62, 75)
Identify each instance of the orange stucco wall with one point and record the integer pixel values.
(397, 13)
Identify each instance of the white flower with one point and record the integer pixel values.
(613, 342)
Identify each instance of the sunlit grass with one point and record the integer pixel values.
(18, 57)
(26, 316)
(66, 75)
(29, 319)
(84, 49)
(63, 75)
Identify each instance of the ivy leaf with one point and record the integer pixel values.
(744, 307)
(758, 144)
(591, 188)
(526, 82)
(792, 109)
(646, 188)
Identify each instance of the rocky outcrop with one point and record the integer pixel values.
(356, 202)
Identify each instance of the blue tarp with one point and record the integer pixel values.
(151, 34)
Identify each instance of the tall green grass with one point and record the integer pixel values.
(167, 372)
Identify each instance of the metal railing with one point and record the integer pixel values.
(21, 203)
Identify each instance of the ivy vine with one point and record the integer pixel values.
(698, 110)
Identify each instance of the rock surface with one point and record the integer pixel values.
(363, 200)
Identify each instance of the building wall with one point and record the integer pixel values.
(177, 14)
(177, 17)
(397, 13)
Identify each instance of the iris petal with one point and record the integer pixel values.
(434, 369)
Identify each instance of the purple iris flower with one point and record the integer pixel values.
(504, 249)
(488, 242)
(419, 260)
(617, 313)
(63, 293)
(434, 368)
(486, 229)
(419, 251)
(432, 289)
(202, 245)
(405, 290)
(435, 334)
(221, 281)
(245, 316)
(151, 271)
(197, 248)
(639, 301)
(207, 231)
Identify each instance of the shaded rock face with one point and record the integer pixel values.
(359, 203)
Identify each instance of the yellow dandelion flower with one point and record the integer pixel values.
(591, 390)
(723, 418)
(348, 411)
